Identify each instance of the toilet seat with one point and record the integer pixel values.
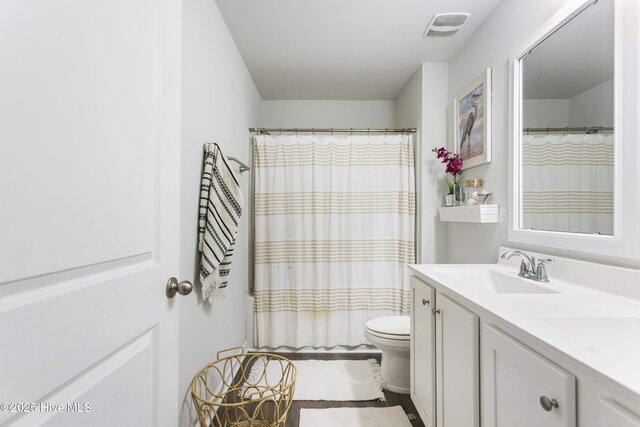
(396, 328)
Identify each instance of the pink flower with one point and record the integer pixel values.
(441, 153)
(454, 167)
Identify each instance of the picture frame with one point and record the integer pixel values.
(472, 121)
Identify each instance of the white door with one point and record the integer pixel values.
(423, 365)
(457, 365)
(521, 388)
(89, 193)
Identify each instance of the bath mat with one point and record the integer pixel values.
(393, 416)
(329, 379)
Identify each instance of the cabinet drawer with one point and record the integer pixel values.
(612, 414)
(522, 388)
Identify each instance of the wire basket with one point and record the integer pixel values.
(254, 389)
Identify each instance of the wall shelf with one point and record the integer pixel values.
(479, 214)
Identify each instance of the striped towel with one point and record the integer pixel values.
(221, 204)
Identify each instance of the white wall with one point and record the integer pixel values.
(219, 104)
(328, 114)
(409, 114)
(423, 104)
(593, 107)
(509, 28)
(545, 113)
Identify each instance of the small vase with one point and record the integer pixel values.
(459, 195)
(449, 200)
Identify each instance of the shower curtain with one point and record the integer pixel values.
(568, 182)
(334, 230)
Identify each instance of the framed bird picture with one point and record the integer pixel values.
(472, 121)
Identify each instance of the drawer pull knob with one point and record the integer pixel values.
(425, 301)
(548, 404)
(435, 311)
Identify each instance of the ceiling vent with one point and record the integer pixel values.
(445, 24)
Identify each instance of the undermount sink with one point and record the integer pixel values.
(496, 282)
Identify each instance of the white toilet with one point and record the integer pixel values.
(392, 335)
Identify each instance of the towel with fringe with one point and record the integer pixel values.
(221, 204)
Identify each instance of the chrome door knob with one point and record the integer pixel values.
(173, 287)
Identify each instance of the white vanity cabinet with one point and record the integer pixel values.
(423, 341)
(560, 354)
(444, 359)
(522, 388)
(610, 413)
(457, 365)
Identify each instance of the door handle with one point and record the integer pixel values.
(173, 287)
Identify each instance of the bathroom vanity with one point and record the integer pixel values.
(493, 349)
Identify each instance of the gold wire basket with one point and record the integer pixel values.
(243, 390)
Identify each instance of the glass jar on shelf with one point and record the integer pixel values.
(474, 191)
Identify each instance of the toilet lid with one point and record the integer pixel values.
(392, 325)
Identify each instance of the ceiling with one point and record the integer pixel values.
(342, 49)
(576, 58)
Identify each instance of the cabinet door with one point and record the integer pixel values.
(422, 350)
(515, 378)
(457, 365)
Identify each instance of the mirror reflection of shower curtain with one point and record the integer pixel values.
(568, 182)
(334, 231)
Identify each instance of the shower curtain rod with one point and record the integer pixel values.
(331, 130)
(592, 129)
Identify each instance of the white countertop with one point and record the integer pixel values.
(599, 330)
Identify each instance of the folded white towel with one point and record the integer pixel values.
(221, 204)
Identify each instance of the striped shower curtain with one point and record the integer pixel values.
(334, 231)
(568, 182)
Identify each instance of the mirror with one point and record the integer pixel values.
(566, 128)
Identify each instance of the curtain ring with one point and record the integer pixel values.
(313, 131)
(548, 131)
(331, 131)
(368, 132)
(385, 131)
(351, 131)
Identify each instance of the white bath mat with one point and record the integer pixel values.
(329, 379)
(354, 417)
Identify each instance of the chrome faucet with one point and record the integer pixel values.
(530, 267)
